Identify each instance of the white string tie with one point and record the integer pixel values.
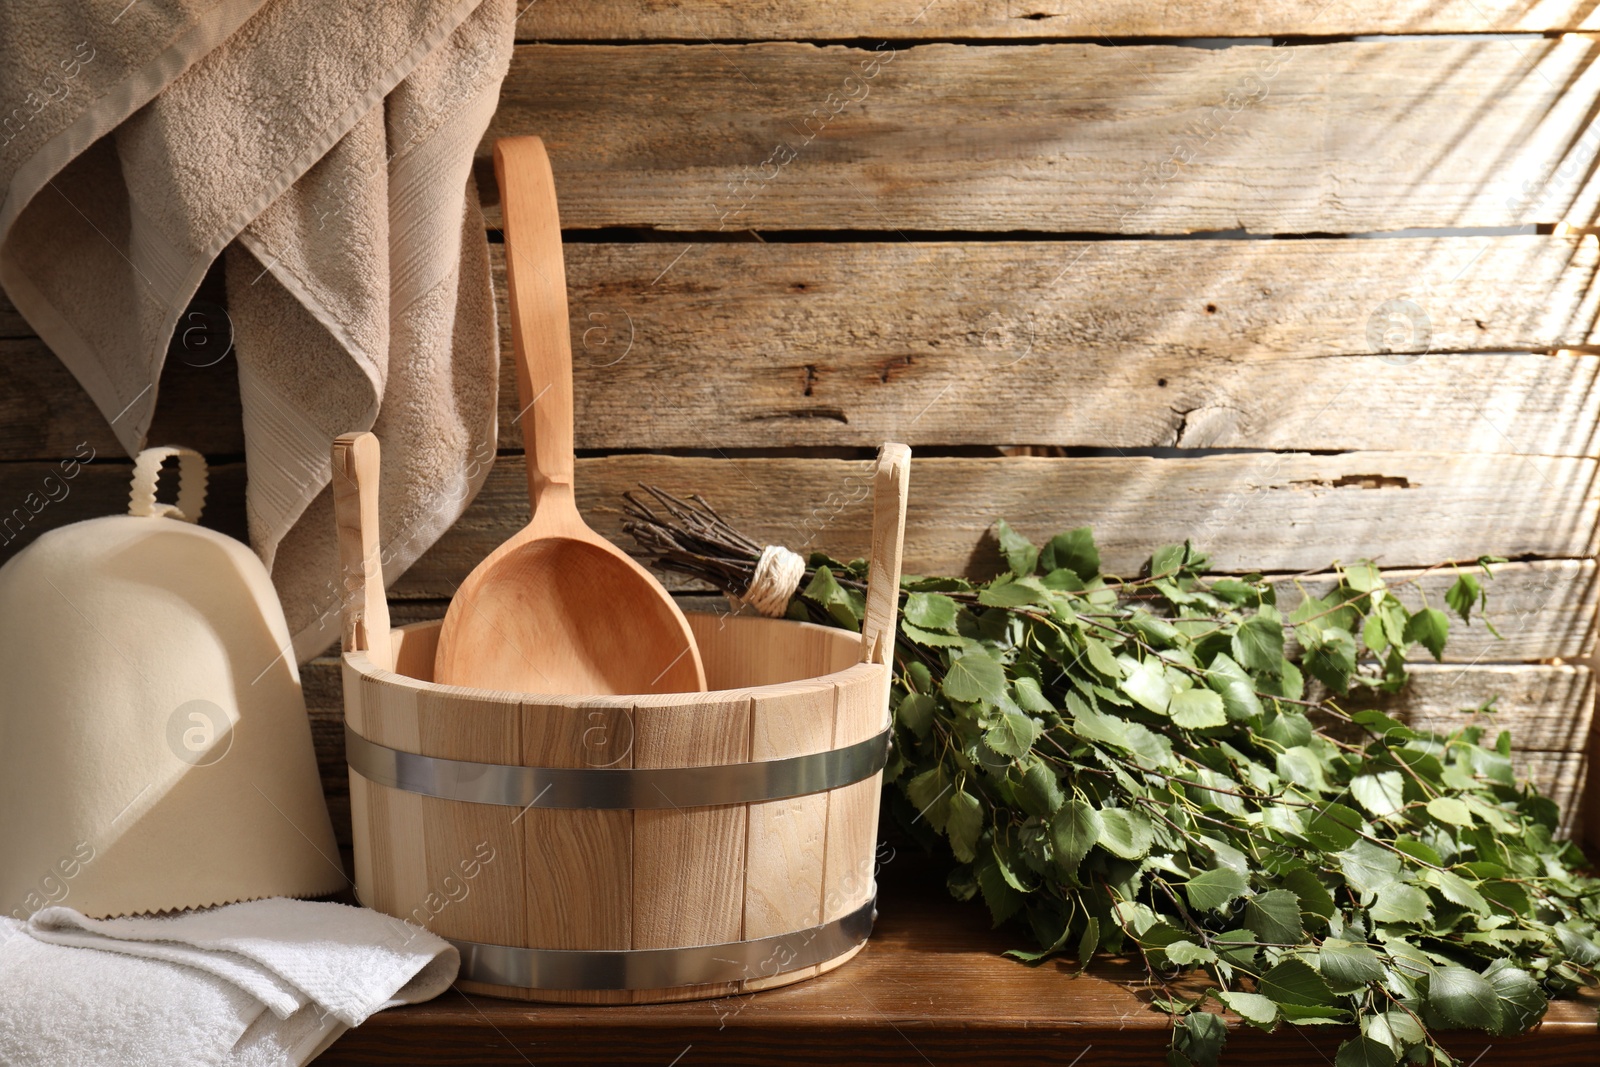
(778, 574)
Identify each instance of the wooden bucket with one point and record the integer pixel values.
(627, 849)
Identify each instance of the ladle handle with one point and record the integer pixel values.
(355, 510)
(891, 482)
(536, 279)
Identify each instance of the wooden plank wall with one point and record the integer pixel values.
(1304, 281)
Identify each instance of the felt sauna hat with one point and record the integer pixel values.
(154, 748)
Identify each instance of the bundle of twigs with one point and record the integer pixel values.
(690, 538)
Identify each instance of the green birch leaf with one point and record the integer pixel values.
(915, 713)
(1334, 826)
(1382, 794)
(1101, 659)
(1429, 628)
(1347, 964)
(1400, 903)
(1457, 890)
(1463, 594)
(1302, 766)
(1450, 810)
(1166, 560)
(1187, 954)
(1258, 646)
(930, 611)
(930, 638)
(1372, 633)
(1464, 997)
(1125, 833)
(1073, 832)
(1203, 1035)
(1364, 1051)
(973, 678)
(1253, 1008)
(1215, 889)
(1089, 942)
(1075, 551)
(1236, 688)
(1197, 709)
(1287, 727)
(1522, 1002)
(1039, 792)
(1003, 900)
(929, 792)
(1014, 593)
(1029, 696)
(1274, 917)
(1021, 554)
(1577, 947)
(1363, 576)
(1368, 868)
(1148, 686)
(1013, 735)
(1294, 982)
(963, 824)
(1313, 895)
(1403, 1026)
(1333, 660)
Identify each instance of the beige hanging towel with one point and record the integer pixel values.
(326, 150)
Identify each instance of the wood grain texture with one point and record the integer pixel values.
(930, 987)
(12, 324)
(754, 20)
(688, 871)
(851, 877)
(365, 623)
(1349, 137)
(1547, 709)
(788, 839)
(1542, 610)
(1315, 344)
(1053, 343)
(555, 608)
(1237, 507)
(1266, 511)
(580, 863)
(647, 878)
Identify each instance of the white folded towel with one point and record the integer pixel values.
(267, 983)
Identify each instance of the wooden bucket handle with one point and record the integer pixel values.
(355, 510)
(890, 483)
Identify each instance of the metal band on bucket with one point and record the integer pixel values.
(663, 968)
(614, 788)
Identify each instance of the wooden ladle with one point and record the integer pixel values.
(557, 608)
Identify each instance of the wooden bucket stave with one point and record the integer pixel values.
(783, 886)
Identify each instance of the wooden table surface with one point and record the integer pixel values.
(929, 988)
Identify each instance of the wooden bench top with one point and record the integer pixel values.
(930, 988)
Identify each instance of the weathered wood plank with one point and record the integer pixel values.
(1272, 512)
(1256, 344)
(1285, 512)
(1544, 610)
(693, 20)
(44, 412)
(1547, 709)
(12, 324)
(1316, 344)
(1348, 137)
